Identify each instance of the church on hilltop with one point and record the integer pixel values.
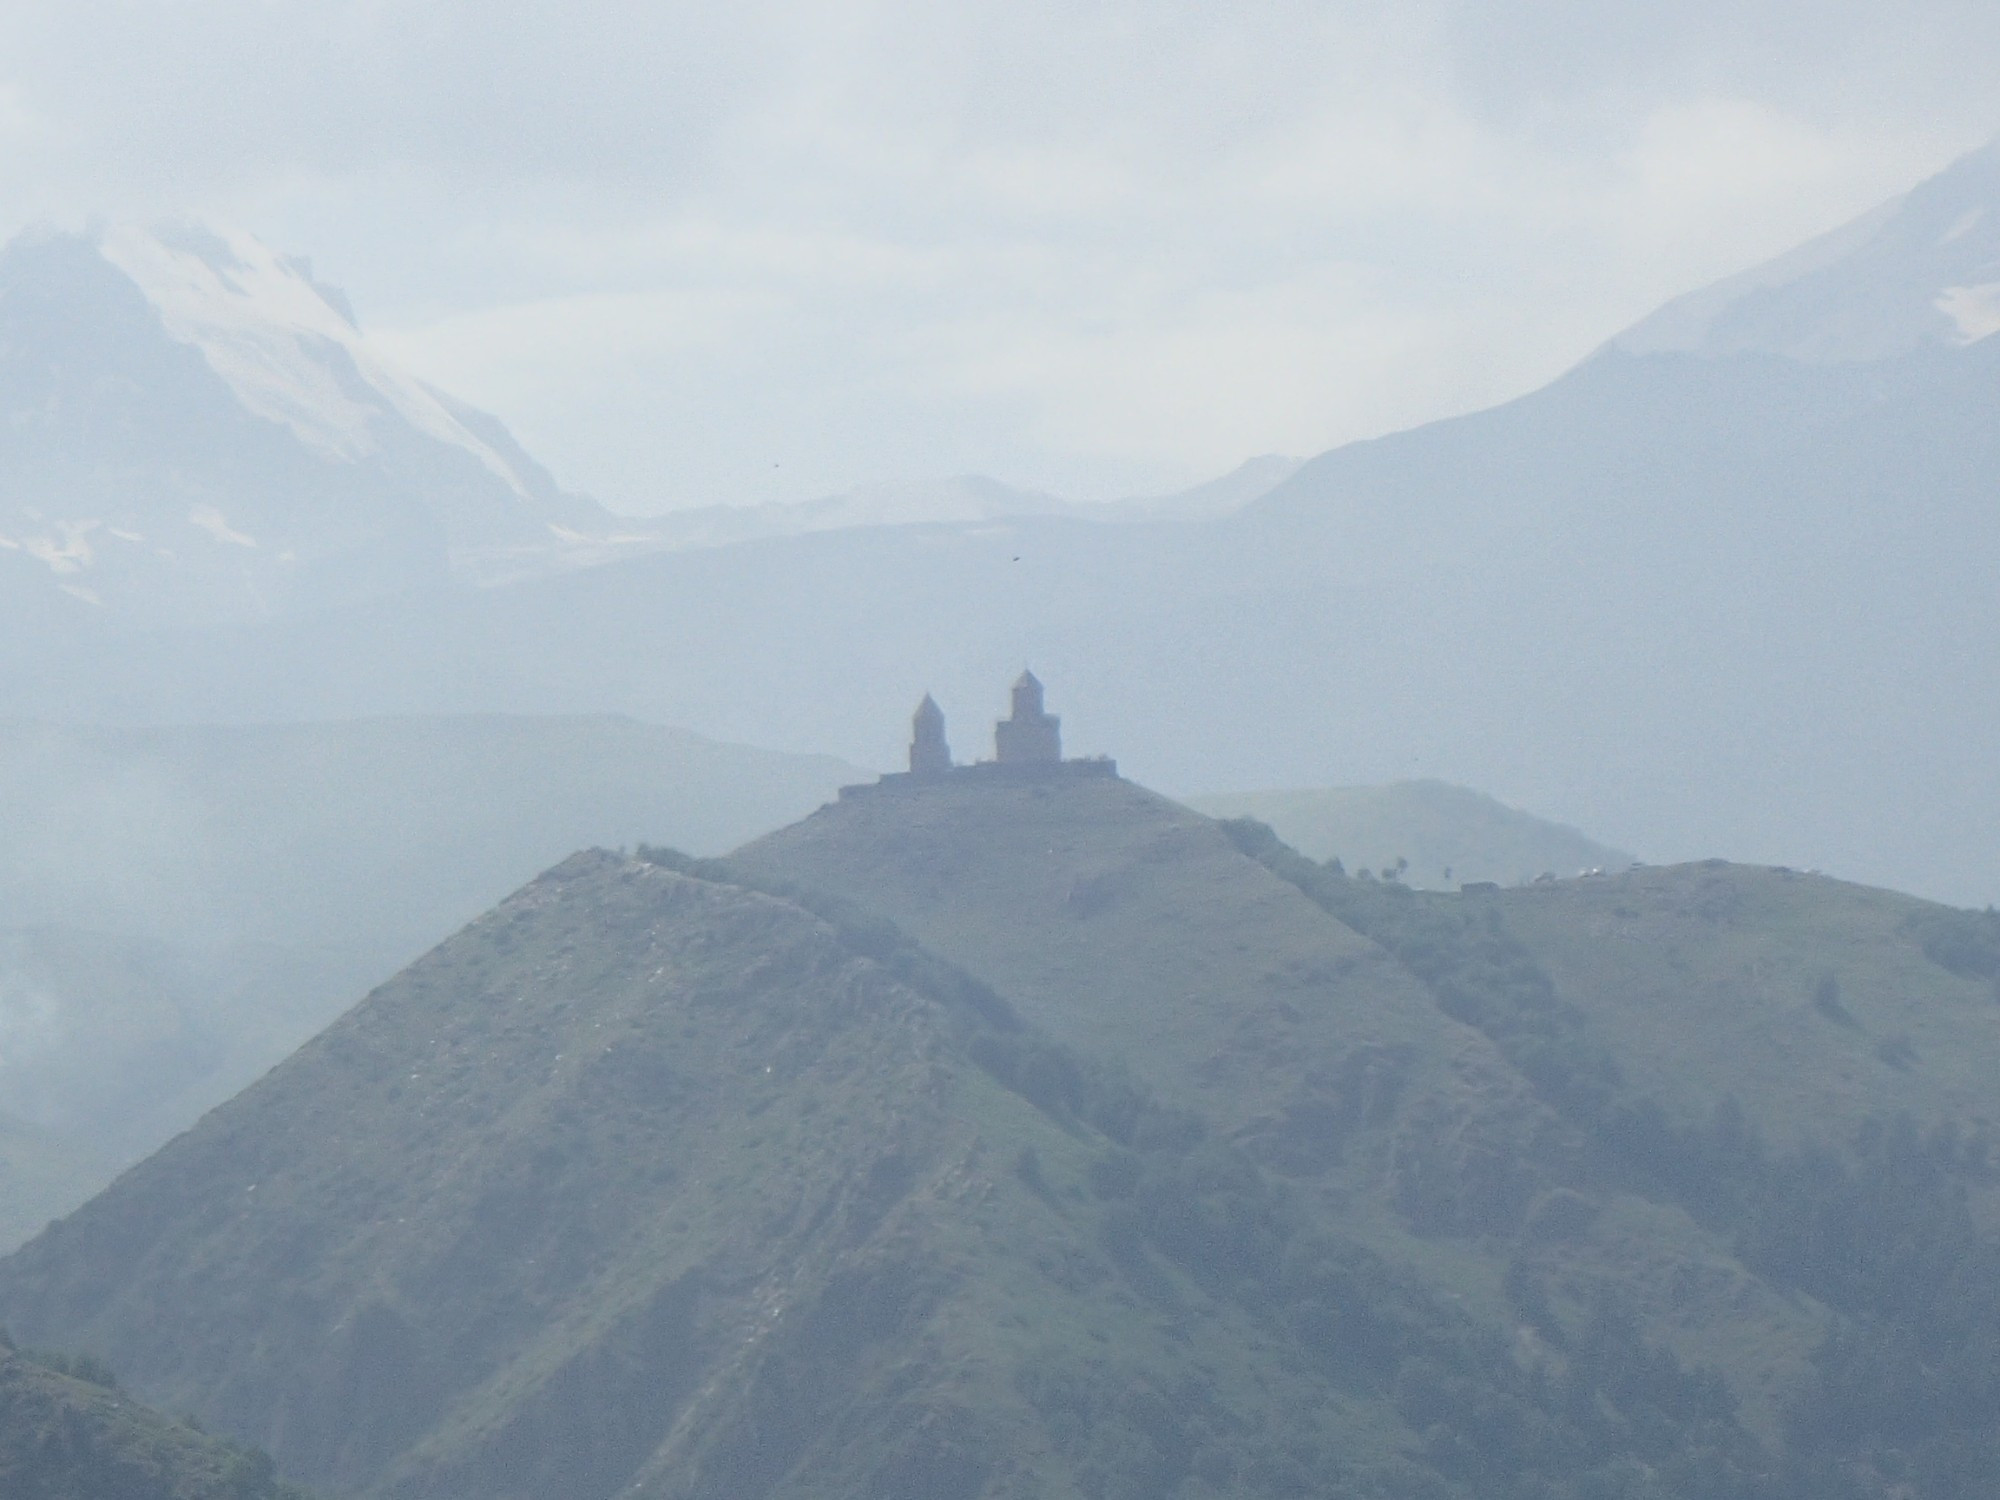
(1031, 734)
(1027, 745)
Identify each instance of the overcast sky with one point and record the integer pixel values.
(699, 253)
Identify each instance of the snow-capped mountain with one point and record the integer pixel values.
(267, 329)
(1923, 269)
(192, 428)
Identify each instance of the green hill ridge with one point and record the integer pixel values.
(1040, 1137)
(682, 1195)
(68, 1433)
(1672, 1039)
(1131, 928)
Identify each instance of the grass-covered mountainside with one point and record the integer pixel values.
(1428, 834)
(654, 1185)
(181, 907)
(1744, 1105)
(1135, 930)
(1044, 1138)
(68, 1433)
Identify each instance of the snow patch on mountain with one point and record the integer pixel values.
(1973, 310)
(210, 520)
(1922, 270)
(199, 432)
(287, 347)
(64, 548)
(1966, 224)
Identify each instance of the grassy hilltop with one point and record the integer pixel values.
(68, 1433)
(1045, 1138)
(652, 1184)
(1711, 1078)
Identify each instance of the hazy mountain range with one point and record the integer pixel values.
(1720, 589)
(193, 429)
(967, 499)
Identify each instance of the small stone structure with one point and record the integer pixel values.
(1031, 734)
(1027, 745)
(929, 754)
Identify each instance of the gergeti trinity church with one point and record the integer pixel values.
(1026, 744)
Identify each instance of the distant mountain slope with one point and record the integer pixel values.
(1445, 835)
(184, 906)
(1923, 270)
(966, 499)
(191, 428)
(1222, 496)
(1711, 605)
(65, 1438)
(1699, 603)
(1701, 596)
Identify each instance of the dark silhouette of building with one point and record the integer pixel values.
(1030, 735)
(1027, 747)
(929, 754)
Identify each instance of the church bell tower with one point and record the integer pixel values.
(929, 754)
(1031, 735)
